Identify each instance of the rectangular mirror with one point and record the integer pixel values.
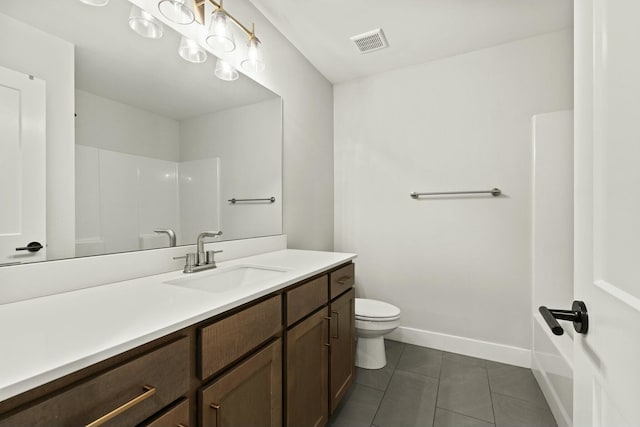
(161, 149)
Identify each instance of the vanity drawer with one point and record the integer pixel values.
(342, 280)
(177, 416)
(125, 395)
(306, 298)
(232, 337)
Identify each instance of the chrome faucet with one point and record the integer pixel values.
(202, 260)
(169, 232)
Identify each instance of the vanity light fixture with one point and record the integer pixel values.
(224, 71)
(177, 11)
(143, 23)
(192, 51)
(95, 2)
(220, 36)
(254, 61)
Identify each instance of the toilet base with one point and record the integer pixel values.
(370, 353)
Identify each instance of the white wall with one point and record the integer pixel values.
(248, 143)
(31, 51)
(308, 126)
(114, 126)
(458, 268)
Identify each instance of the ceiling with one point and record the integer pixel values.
(114, 62)
(417, 30)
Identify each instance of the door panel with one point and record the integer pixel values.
(308, 372)
(607, 224)
(342, 346)
(248, 395)
(22, 166)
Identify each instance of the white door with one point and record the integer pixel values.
(22, 167)
(607, 212)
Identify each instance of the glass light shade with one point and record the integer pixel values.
(95, 2)
(224, 71)
(220, 36)
(254, 61)
(177, 11)
(191, 51)
(143, 23)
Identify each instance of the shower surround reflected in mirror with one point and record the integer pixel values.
(160, 143)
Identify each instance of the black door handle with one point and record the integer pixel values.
(578, 315)
(31, 247)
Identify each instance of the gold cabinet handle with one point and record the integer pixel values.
(337, 336)
(343, 280)
(148, 392)
(328, 319)
(218, 409)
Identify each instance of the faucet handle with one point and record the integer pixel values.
(191, 259)
(211, 256)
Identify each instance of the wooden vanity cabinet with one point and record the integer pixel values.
(175, 416)
(308, 372)
(124, 395)
(285, 359)
(343, 331)
(227, 340)
(248, 395)
(320, 349)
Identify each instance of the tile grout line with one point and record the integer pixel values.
(535, 403)
(433, 421)
(465, 415)
(493, 409)
(384, 393)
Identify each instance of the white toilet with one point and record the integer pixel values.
(374, 319)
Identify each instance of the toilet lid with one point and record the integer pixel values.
(373, 309)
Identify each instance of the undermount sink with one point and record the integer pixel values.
(229, 278)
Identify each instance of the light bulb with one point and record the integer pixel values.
(143, 23)
(191, 51)
(177, 11)
(220, 36)
(224, 71)
(254, 61)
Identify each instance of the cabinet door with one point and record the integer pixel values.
(248, 395)
(343, 329)
(308, 372)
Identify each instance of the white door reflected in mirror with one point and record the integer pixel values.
(22, 167)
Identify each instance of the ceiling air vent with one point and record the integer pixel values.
(370, 41)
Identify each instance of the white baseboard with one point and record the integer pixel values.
(555, 404)
(467, 346)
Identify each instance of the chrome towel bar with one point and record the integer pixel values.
(495, 192)
(270, 200)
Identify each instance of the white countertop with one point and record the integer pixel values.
(47, 338)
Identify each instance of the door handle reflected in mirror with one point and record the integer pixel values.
(31, 247)
(578, 315)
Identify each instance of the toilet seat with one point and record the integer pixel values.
(375, 311)
(377, 319)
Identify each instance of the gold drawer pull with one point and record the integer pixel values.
(337, 336)
(328, 319)
(343, 280)
(148, 392)
(218, 409)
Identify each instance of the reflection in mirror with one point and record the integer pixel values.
(162, 146)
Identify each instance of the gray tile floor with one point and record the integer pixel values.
(421, 387)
